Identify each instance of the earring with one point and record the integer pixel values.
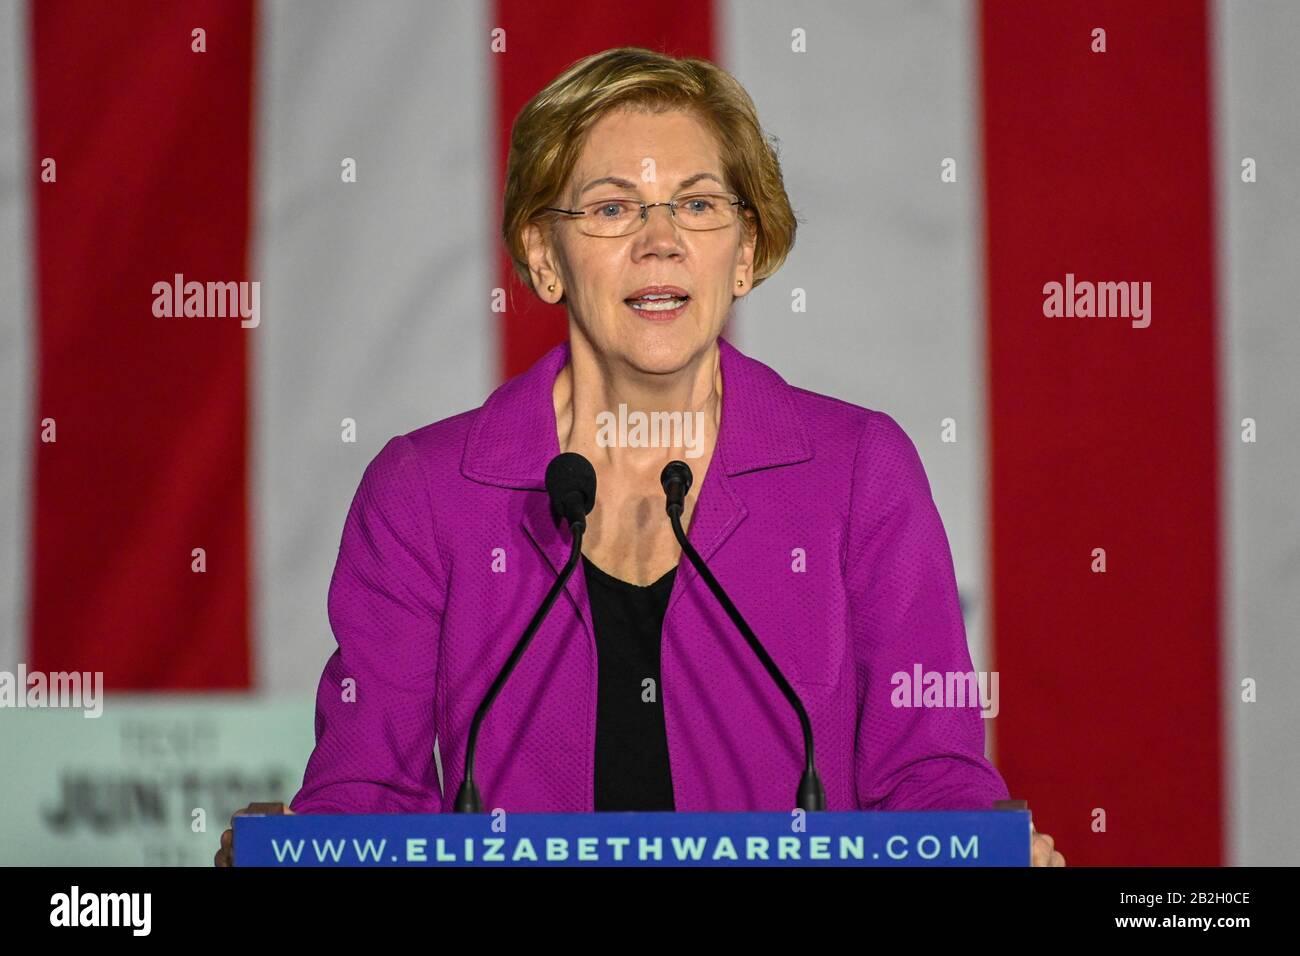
(551, 287)
(740, 282)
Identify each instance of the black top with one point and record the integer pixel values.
(632, 770)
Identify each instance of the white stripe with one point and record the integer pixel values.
(889, 256)
(1257, 75)
(375, 294)
(18, 425)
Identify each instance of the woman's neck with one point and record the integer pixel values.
(618, 416)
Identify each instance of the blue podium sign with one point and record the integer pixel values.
(863, 838)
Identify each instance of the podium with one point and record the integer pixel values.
(998, 837)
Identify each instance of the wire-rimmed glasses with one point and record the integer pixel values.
(622, 216)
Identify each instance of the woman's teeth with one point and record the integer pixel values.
(656, 305)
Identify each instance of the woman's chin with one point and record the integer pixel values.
(664, 354)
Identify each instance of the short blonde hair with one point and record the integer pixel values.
(549, 133)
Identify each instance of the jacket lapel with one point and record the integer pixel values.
(553, 540)
(718, 512)
(760, 428)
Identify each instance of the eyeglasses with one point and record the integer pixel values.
(620, 217)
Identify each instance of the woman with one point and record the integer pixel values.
(643, 195)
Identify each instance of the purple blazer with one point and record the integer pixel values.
(816, 516)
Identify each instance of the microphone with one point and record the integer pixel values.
(571, 484)
(676, 480)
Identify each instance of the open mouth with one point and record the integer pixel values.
(652, 304)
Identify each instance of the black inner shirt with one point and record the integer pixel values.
(632, 770)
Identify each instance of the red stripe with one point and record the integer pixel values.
(543, 39)
(152, 143)
(1098, 164)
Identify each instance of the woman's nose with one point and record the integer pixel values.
(665, 227)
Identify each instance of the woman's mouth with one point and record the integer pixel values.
(658, 307)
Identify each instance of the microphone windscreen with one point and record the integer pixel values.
(678, 470)
(569, 472)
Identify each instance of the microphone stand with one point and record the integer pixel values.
(811, 795)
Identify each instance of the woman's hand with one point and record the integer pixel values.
(1043, 850)
(226, 855)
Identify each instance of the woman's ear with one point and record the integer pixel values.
(744, 280)
(546, 279)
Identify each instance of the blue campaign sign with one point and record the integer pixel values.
(933, 838)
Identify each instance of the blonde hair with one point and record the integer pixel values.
(549, 133)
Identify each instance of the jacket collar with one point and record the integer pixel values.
(513, 438)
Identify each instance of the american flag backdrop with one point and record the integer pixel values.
(947, 160)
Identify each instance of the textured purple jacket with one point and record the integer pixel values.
(424, 622)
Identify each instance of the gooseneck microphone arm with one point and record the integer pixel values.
(676, 481)
(571, 482)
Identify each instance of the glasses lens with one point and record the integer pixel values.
(618, 217)
(705, 211)
(610, 217)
